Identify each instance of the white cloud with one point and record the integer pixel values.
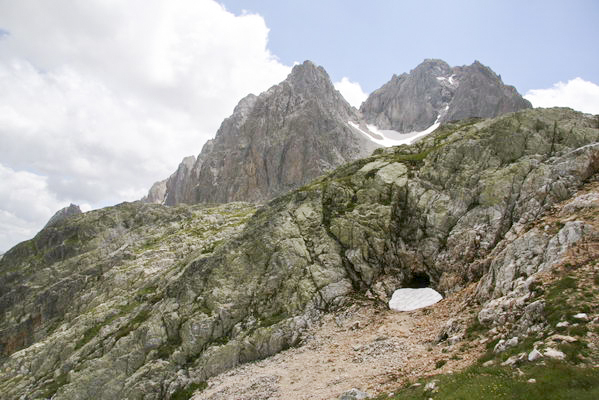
(99, 99)
(577, 93)
(351, 91)
(24, 201)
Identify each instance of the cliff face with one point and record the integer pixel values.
(143, 301)
(272, 143)
(298, 130)
(63, 213)
(435, 92)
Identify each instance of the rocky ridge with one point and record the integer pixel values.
(458, 207)
(63, 213)
(272, 143)
(435, 92)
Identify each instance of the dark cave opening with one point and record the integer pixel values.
(418, 280)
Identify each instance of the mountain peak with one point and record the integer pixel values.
(432, 62)
(283, 138)
(434, 92)
(72, 209)
(309, 75)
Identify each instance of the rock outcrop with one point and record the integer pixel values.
(157, 193)
(146, 301)
(275, 142)
(435, 92)
(63, 213)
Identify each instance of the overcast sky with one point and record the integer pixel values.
(100, 98)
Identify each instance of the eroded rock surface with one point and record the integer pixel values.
(144, 301)
(274, 142)
(435, 92)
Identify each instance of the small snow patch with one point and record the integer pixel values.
(388, 138)
(413, 299)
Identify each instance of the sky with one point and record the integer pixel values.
(99, 99)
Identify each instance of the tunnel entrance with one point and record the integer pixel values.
(418, 280)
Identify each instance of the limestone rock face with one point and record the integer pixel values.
(275, 142)
(144, 301)
(63, 213)
(435, 92)
(157, 193)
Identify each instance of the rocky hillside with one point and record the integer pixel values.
(63, 213)
(435, 92)
(145, 301)
(282, 139)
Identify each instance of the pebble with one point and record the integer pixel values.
(532, 380)
(582, 316)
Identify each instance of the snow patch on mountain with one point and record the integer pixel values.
(412, 299)
(388, 138)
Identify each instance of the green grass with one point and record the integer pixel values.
(132, 325)
(557, 307)
(554, 381)
(272, 319)
(88, 335)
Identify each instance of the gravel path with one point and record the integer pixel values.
(359, 347)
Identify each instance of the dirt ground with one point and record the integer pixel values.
(362, 347)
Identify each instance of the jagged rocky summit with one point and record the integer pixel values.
(144, 301)
(302, 128)
(274, 142)
(63, 213)
(434, 92)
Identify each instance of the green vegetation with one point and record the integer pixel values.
(210, 247)
(165, 351)
(88, 335)
(555, 380)
(132, 325)
(221, 340)
(272, 319)
(557, 307)
(51, 388)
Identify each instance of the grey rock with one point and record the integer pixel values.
(62, 214)
(503, 345)
(511, 361)
(432, 386)
(272, 143)
(534, 355)
(563, 338)
(157, 193)
(451, 331)
(354, 394)
(140, 300)
(553, 353)
(582, 202)
(178, 189)
(434, 91)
